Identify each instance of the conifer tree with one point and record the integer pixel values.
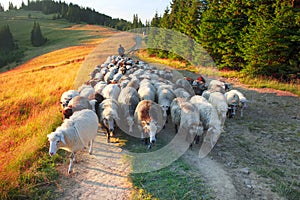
(6, 39)
(37, 39)
(1, 8)
(271, 47)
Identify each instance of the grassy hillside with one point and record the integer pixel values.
(59, 33)
(29, 98)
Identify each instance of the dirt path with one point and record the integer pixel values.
(103, 175)
(252, 142)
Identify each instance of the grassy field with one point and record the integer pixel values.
(29, 99)
(60, 33)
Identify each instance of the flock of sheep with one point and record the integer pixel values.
(140, 99)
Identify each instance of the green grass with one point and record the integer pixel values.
(54, 30)
(176, 181)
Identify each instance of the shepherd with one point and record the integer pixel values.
(121, 51)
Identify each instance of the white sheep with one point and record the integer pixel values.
(216, 86)
(87, 91)
(146, 91)
(218, 100)
(134, 82)
(183, 83)
(242, 101)
(208, 114)
(100, 86)
(109, 76)
(76, 104)
(67, 96)
(182, 93)
(148, 117)
(190, 122)
(74, 134)
(111, 91)
(233, 102)
(108, 114)
(128, 100)
(117, 77)
(175, 108)
(165, 97)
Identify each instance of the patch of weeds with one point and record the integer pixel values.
(37, 181)
(177, 181)
(287, 190)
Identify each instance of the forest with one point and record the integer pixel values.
(259, 37)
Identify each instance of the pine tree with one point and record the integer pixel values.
(271, 47)
(1, 8)
(6, 39)
(37, 38)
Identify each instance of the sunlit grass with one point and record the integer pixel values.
(30, 109)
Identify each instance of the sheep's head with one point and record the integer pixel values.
(54, 139)
(165, 106)
(150, 128)
(231, 111)
(67, 112)
(109, 123)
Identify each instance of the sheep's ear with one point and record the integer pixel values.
(62, 138)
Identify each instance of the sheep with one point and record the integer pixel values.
(216, 86)
(165, 97)
(109, 76)
(183, 83)
(66, 97)
(209, 117)
(182, 93)
(134, 82)
(190, 122)
(87, 91)
(74, 134)
(148, 117)
(146, 91)
(218, 100)
(242, 101)
(108, 114)
(175, 108)
(128, 100)
(111, 91)
(233, 102)
(206, 94)
(94, 72)
(117, 77)
(100, 86)
(76, 104)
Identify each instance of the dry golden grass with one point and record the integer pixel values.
(29, 104)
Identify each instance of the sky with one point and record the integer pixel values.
(123, 9)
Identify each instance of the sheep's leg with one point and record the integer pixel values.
(108, 135)
(176, 128)
(242, 112)
(72, 158)
(91, 147)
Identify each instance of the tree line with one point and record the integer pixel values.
(76, 14)
(259, 37)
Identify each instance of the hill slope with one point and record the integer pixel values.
(29, 104)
